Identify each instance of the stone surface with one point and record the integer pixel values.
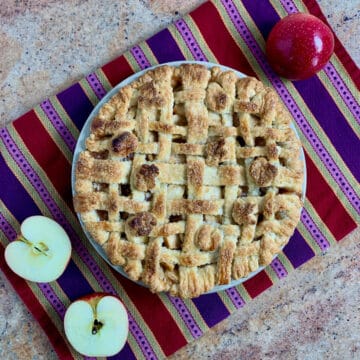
(45, 46)
(52, 44)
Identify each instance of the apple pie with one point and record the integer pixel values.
(191, 178)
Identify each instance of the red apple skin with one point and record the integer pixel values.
(94, 298)
(95, 295)
(299, 46)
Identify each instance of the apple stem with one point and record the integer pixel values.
(24, 240)
(41, 249)
(96, 327)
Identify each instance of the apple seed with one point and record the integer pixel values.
(38, 248)
(96, 327)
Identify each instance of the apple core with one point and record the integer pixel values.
(96, 327)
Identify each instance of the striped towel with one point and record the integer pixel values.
(36, 156)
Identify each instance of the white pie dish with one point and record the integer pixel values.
(80, 146)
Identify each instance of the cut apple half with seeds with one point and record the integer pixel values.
(97, 325)
(42, 251)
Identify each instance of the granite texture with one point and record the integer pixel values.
(45, 46)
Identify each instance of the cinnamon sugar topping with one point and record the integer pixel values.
(124, 144)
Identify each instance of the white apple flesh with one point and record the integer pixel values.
(97, 325)
(41, 252)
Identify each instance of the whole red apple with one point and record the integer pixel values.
(299, 46)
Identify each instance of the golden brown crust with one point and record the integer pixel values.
(191, 178)
(195, 174)
(216, 98)
(140, 224)
(262, 172)
(226, 256)
(244, 212)
(208, 238)
(151, 96)
(215, 151)
(124, 144)
(185, 206)
(145, 177)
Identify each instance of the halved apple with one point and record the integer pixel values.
(97, 325)
(41, 252)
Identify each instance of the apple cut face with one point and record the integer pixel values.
(42, 252)
(97, 328)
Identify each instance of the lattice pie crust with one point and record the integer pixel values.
(191, 178)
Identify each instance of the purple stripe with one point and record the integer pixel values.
(15, 198)
(53, 299)
(235, 297)
(343, 90)
(60, 218)
(331, 120)
(66, 282)
(190, 40)
(332, 74)
(7, 228)
(211, 308)
(125, 353)
(289, 6)
(292, 106)
(76, 104)
(140, 57)
(323, 154)
(164, 47)
(297, 250)
(58, 124)
(186, 316)
(141, 338)
(279, 268)
(96, 85)
(45, 288)
(314, 230)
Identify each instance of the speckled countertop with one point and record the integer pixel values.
(45, 46)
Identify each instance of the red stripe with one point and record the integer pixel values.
(257, 284)
(46, 153)
(219, 39)
(340, 51)
(156, 316)
(117, 70)
(34, 306)
(326, 203)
